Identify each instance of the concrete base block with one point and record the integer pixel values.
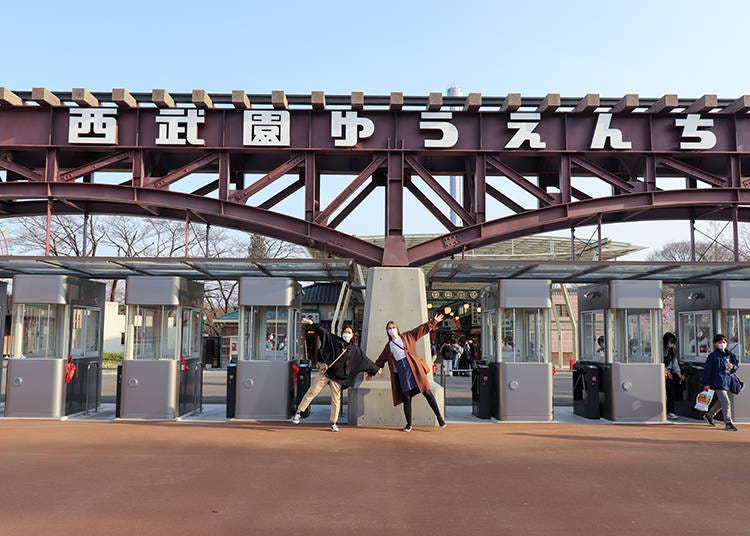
(371, 404)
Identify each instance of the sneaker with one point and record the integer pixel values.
(443, 424)
(672, 416)
(731, 427)
(334, 427)
(296, 418)
(407, 428)
(709, 419)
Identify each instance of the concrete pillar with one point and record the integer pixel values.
(396, 294)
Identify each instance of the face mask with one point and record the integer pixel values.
(346, 336)
(393, 332)
(722, 346)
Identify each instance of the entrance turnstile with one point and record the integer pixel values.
(515, 334)
(702, 311)
(620, 334)
(54, 367)
(162, 371)
(268, 341)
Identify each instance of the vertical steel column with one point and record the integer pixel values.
(692, 239)
(187, 234)
(565, 183)
(85, 231)
(649, 174)
(394, 195)
(48, 230)
(736, 232)
(312, 187)
(573, 244)
(139, 168)
(480, 188)
(599, 238)
(224, 174)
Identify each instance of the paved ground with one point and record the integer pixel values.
(273, 478)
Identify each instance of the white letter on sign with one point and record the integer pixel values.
(706, 138)
(92, 125)
(602, 132)
(525, 123)
(449, 130)
(347, 125)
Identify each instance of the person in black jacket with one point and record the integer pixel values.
(340, 361)
(673, 374)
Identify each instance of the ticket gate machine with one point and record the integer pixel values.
(57, 324)
(161, 374)
(268, 342)
(702, 311)
(515, 336)
(620, 333)
(4, 308)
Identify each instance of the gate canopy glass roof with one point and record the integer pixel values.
(586, 271)
(190, 268)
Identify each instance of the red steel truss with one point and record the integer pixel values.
(55, 146)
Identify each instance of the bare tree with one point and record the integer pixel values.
(66, 235)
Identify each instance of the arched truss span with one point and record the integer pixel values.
(30, 199)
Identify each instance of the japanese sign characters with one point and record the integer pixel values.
(428, 130)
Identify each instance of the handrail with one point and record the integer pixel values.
(98, 386)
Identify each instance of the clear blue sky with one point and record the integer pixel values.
(571, 47)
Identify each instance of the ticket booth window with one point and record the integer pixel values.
(84, 335)
(695, 335)
(154, 332)
(489, 335)
(40, 337)
(593, 332)
(636, 346)
(523, 335)
(738, 334)
(269, 334)
(191, 332)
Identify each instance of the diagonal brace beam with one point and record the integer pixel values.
(264, 181)
(603, 174)
(429, 205)
(454, 205)
(520, 180)
(78, 172)
(691, 171)
(176, 175)
(340, 199)
(504, 199)
(21, 170)
(283, 194)
(354, 203)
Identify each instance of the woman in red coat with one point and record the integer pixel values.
(408, 370)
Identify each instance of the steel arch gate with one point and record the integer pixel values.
(53, 146)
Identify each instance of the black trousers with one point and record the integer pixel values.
(430, 400)
(671, 386)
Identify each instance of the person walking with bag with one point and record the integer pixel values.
(717, 375)
(408, 370)
(340, 362)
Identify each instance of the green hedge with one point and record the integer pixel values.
(112, 359)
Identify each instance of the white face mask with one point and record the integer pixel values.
(722, 346)
(346, 336)
(393, 332)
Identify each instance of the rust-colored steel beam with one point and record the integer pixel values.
(110, 199)
(430, 206)
(20, 170)
(353, 204)
(520, 180)
(96, 165)
(283, 194)
(603, 174)
(269, 178)
(504, 199)
(435, 186)
(353, 186)
(207, 189)
(691, 171)
(183, 171)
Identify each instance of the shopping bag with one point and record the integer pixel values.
(703, 400)
(70, 370)
(735, 384)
